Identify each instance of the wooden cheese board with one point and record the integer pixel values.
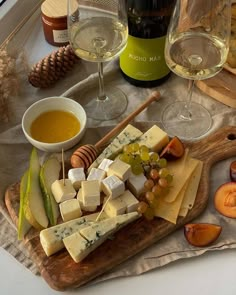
(222, 87)
(62, 273)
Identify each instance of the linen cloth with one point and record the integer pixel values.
(15, 151)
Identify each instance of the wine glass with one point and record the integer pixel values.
(196, 48)
(98, 32)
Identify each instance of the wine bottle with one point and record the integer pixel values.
(143, 62)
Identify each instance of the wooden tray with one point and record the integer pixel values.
(61, 272)
(222, 87)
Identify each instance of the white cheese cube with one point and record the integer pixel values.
(70, 209)
(114, 207)
(120, 169)
(90, 192)
(76, 175)
(104, 165)
(130, 201)
(135, 183)
(82, 206)
(154, 138)
(96, 174)
(63, 190)
(113, 186)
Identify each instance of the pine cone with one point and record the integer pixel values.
(53, 67)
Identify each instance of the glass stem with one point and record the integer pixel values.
(186, 112)
(101, 93)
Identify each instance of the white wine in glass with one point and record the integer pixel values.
(98, 32)
(196, 48)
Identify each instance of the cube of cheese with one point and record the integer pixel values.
(90, 192)
(154, 138)
(96, 174)
(113, 186)
(120, 169)
(76, 175)
(63, 190)
(135, 183)
(70, 209)
(82, 206)
(114, 207)
(130, 201)
(104, 165)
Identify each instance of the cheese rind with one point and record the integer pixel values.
(135, 183)
(112, 186)
(96, 174)
(81, 243)
(154, 138)
(128, 135)
(76, 175)
(51, 238)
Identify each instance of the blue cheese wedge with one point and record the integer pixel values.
(154, 138)
(86, 240)
(51, 238)
(127, 136)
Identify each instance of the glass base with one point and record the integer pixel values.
(186, 124)
(110, 108)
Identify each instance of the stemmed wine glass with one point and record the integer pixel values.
(196, 48)
(98, 32)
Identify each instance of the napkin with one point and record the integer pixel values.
(14, 159)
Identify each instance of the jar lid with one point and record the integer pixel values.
(54, 8)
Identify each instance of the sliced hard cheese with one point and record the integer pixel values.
(51, 238)
(81, 243)
(154, 138)
(128, 135)
(191, 191)
(181, 170)
(170, 211)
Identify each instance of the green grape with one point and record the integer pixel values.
(163, 182)
(163, 172)
(154, 157)
(148, 184)
(162, 163)
(125, 157)
(134, 147)
(142, 207)
(154, 174)
(169, 178)
(137, 169)
(149, 213)
(150, 196)
(137, 159)
(145, 156)
(143, 149)
(127, 149)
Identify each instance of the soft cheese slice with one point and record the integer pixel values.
(191, 191)
(128, 135)
(81, 243)
(51, 238)
(181, 170)
(154, 138)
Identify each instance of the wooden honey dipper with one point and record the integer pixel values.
(85, 155)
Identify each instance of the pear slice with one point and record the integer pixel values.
(34, 207)
(49, 172)
(23, 224)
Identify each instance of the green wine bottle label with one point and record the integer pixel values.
(143, 59)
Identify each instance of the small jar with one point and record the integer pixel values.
(54, 18)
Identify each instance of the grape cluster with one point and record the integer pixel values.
(155, 169)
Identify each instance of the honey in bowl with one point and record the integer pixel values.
(54, 126)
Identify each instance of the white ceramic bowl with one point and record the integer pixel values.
(49, 104)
